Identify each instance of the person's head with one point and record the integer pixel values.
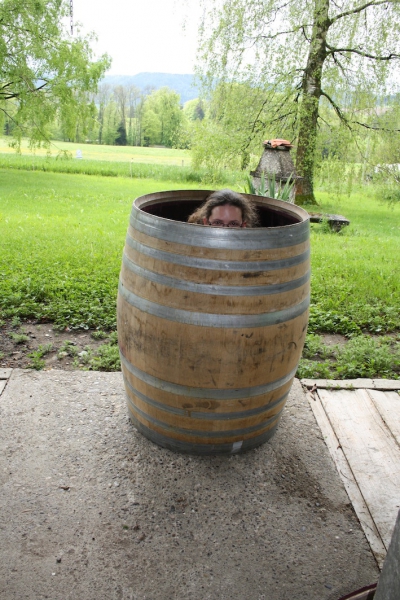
(225, 208)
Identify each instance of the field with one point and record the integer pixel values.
(61, 241)
(159, 156)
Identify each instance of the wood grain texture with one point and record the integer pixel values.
(214, 406)
(371, 451)
(223, 304)
(348, 479)
(388, 405)
(211, 275)
(218, 253)
(350, 384)
(209, 356)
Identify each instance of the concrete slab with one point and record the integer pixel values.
(89, 509)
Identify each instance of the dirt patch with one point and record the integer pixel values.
(15, 349)
(334, 339)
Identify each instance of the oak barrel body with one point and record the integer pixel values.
(211, 322)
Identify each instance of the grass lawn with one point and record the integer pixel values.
(61, 241)
(356, 273)
(162, 156)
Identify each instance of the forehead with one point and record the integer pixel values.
(226, 212)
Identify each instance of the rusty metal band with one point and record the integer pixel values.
(216, 290)
(209, 416)
(206, 393)
(200, 319)
(202, 449)
(262, 238)
(218, 265)
(200, 433)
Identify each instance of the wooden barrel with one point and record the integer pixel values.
(211, 322)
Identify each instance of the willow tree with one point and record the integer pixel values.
(299, 52)
(44, 71)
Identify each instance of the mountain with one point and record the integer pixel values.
(182, 84)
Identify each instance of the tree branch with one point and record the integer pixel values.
(295, 30)
(336, 109)
(375, 127)
(339, 65)
(3, 110)
(333, 50)
(358, 9)
(11, 95)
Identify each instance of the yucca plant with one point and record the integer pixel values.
(271, 189)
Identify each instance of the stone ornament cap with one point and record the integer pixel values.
(278, 143)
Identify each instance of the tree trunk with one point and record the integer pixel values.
(311, 93)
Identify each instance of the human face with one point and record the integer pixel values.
(225, 215)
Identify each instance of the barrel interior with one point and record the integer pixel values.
(180, 210)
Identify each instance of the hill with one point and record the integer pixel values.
(182, 84)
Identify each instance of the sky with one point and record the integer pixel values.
(142, 35)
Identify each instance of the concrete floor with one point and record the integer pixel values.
(91, 510)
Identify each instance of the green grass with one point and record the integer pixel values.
(355, 283)
(361, 356)
(19, 338)
(159, 172)
(104, 358)
(36, 356)
(61, 242)
(163, 156)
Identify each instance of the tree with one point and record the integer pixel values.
(103, 97)
(163, 117)
(111, 123)
(120, 140)
(194, 109)
(226, 124)
(44, 72)
(134, 97)
(301, 53)
(121, 97)
(151, 127)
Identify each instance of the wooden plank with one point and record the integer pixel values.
(386, 384)
(388, 406)
(347, 477)
(371, 451)
(338, 384)
(349, 384)
(5, 373)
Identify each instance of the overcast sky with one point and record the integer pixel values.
(142, 35)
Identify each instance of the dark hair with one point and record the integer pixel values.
(220, 198)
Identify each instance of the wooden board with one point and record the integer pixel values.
(348, 479)
(370, 450)
(350, 384)
(388, 405)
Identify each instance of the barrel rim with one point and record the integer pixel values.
(219, 238)
(159, 197)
